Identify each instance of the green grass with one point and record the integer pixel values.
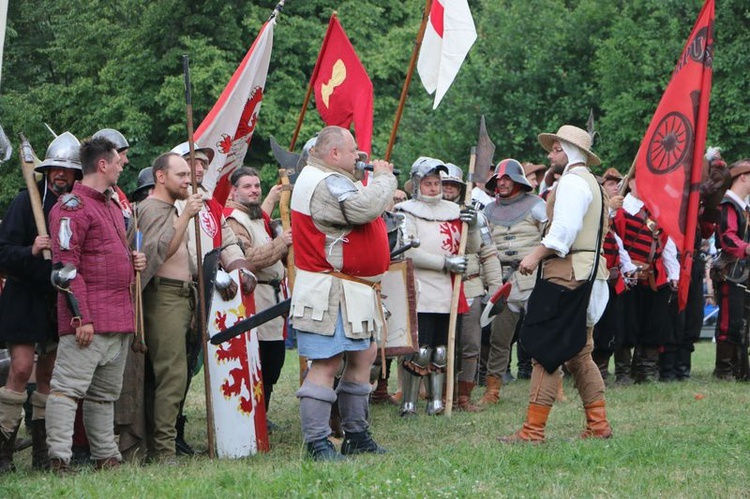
(667, 443)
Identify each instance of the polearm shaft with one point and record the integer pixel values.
(407, 80)
(199, 264)
(457, 278)
(27, 168)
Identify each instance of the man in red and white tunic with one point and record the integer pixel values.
(341, 251)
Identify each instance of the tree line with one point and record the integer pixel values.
(82, 65)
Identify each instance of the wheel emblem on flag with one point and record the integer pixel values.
(669, 147)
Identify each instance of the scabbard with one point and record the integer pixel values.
(251, 322)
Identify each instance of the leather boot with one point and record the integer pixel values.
(724, 364)
(464, 397)
(7, 446)
(492, 393)
(623, 363)
(646, 364)
(360, 443)
(597, 425)
(667, 360)
(532, 430)
(181, 446)
(39, 451)
(380, 394)
(602, 362)
(683, 363)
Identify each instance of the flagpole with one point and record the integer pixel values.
(457, 279)
(407, 81)
(199, 264)
(309, 92)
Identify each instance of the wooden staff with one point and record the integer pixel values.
(28, 164)
(457, 293)
(199, 263)
(626, 180)
(407, 81)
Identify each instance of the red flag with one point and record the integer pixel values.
(669, 162)
(343, 91)
(229, 126)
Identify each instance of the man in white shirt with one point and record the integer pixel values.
(575, 210)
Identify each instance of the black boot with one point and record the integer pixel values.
(667, 361)
(7, 446)
(39, 456)
(683, 363)
(323, 450)
(725, 359)
(623, 366)
(180, 445)
(359, 443)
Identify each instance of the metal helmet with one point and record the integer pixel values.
(511, 168)
(145, 182)
(63, 152)
(454, 174)
(118, 139)
(184, 151)
(423, 167)
(306, 153)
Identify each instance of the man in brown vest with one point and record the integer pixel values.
(567, 253)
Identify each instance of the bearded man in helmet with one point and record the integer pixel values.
(437, 224)
(516, 218)
(484, 275)
(27, 303)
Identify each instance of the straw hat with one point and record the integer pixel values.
(572, 135)
(612, 174)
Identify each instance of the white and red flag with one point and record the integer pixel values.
(449, 35)
(668, 167)
(229, 126)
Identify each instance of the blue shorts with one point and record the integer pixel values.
(317, 346)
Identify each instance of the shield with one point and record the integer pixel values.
(399, 298)
(236, 381)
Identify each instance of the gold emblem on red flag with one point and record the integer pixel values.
(337, 78)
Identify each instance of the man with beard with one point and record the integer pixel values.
(215, 234)
(27, 303)
(123, 146)
(516, 219)
(168, 297)
(569, 257)
(250, 221)
(95, 320)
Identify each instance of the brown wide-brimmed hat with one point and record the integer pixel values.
(740, 167)
(611, 174)
(529, 168)
(573, 135)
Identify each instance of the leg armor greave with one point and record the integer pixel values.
(437, 380)
(416, 366)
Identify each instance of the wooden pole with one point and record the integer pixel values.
(457, 294)
(199, 264)
(407, 81)
(27, 168)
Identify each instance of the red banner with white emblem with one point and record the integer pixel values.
(669, 162)
(343, 91)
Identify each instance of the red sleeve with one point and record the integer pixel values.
(730, 241)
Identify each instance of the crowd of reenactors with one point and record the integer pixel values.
(102, 394)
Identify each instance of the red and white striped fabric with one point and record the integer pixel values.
(449, 35)
(229, 126)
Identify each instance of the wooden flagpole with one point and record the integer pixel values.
(457, 278)
(407, 81)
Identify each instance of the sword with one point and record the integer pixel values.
(274, 311)
(251, 322)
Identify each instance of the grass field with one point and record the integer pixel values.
(687, 439)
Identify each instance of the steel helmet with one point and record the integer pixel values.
(511, 168)
(145, 182)
(63, 152)
(184, 151)
(118, 139)
(423, 167)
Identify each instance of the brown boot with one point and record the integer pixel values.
(597, 425)
(492, 393)
(464, 397)
(380, 394)
(39, 458)
(60, 467)
(108, 463)
(7, 446)
(532, 430)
